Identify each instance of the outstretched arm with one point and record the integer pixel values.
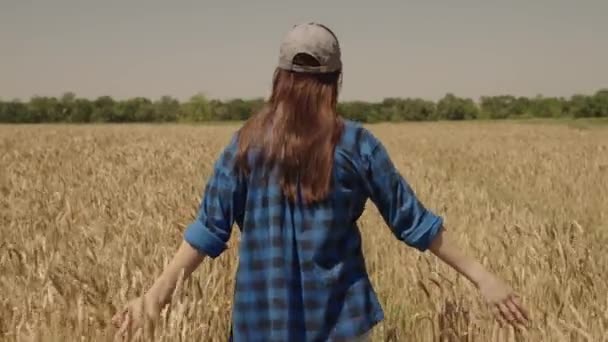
(411, 222)
(186, 259)
(444, 248)
(206, 236)
(504, 302)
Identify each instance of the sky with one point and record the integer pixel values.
(229, 49)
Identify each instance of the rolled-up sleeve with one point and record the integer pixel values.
(402, 211)
(219, 208)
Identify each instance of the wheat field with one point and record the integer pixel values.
(90, 215)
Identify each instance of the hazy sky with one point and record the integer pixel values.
(228, 49)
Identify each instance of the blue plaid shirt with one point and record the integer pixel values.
(301, 273)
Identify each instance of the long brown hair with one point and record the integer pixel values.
(296, 131)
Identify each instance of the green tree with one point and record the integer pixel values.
(14, 111)
(498, 107)
(45, 109)
(600, 100)
(355, 110)
(451, 107)
(167, 109)
(547, 107)
(69, 108)
(104, 109)
(197, 109)
(236, 109)
(82, 111)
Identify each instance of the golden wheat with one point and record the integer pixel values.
(90, 215)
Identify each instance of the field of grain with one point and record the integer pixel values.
(89, 215)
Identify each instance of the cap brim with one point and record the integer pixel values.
(310, 69)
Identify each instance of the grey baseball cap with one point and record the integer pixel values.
(315, 40)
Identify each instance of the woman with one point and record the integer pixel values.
(295, 179)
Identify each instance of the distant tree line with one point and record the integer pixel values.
(70, 108)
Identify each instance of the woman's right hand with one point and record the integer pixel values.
(505, 303)
(131, 317)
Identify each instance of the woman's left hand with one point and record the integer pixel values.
(131, 318)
